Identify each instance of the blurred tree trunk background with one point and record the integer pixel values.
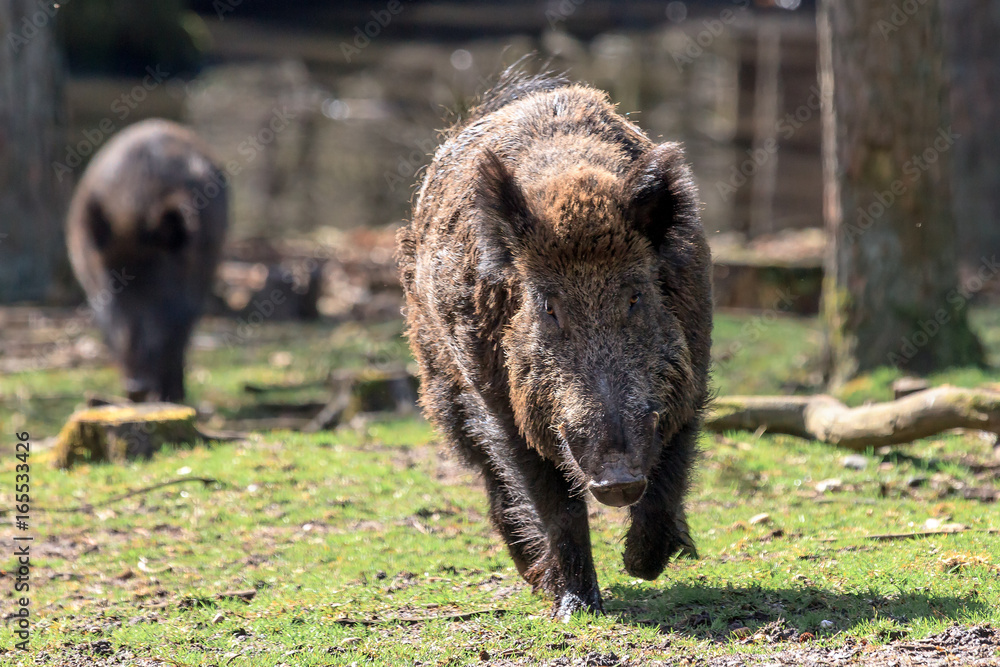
(125, 37)
(972, 39)
(890, 293)
(32, 124)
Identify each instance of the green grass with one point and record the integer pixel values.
(380, 524)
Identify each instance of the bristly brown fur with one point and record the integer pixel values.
(558, 299)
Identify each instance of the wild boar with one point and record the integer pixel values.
(144, 230)
(558, 303)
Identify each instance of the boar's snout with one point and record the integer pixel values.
(167, 386)
(617, 483)
(618, 487)
(152, 356)
(615, 464)
(136, 390)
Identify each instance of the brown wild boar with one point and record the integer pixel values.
(144, 231)
(558, 302)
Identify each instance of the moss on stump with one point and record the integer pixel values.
(117, 433)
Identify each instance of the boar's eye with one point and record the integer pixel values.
(633, 301)
(550, 310)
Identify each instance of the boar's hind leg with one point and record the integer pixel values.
(659, 527)
(566, 569)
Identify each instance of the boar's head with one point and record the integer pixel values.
(598, 366)
(151, 299)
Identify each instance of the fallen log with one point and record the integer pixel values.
(824, 418)
(366, 392)
(376, 390)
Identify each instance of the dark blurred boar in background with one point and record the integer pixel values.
(144, 230)
(558, 302)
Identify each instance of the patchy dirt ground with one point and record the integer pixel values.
(958, 645)
(977, 646)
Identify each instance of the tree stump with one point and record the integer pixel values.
(118, 433)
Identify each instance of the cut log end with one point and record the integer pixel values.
(117, 433)
(920, 414)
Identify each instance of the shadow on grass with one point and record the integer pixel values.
(969, 463)
(920, 464)
(303, 409)
(709, 612)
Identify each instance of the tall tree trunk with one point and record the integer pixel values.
(891, 294)
(32, 131)
(972, 40)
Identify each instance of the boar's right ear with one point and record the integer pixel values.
(505, 219)
(660, 192)
(97, 224)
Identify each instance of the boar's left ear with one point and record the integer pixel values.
(660, 192)
(505, 219)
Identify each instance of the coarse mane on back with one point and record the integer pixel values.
(514, 83)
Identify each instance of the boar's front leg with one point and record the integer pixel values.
(659, 527)
(533, 506)
(518, 531)
(565, 569)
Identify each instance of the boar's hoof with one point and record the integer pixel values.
(644, 566)
(572, 602)
(647, 552)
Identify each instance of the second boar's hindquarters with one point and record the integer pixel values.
(558, 304)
